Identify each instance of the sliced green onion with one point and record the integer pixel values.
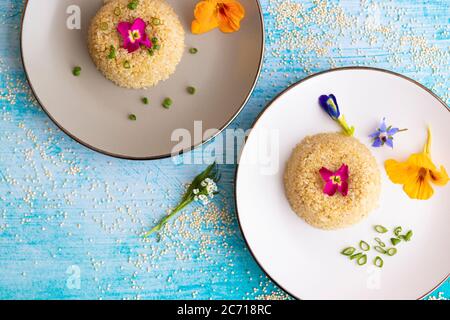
(356, 256)
(364, 245)
(193, 50)
(133, 4)
(151, 52)
(167, 103)
(191, 90)
(381, 243)
(348, 251)
(117, 11)
(132, 117)
(156, 21)
(380, 229)
(156, 47)
(76, 71)
(380, 249)
(408, 235)
(378, 262)
(362, 260)
(154, 40)
(145, 100)
(397, 231)
(395, 241)
(391, 251)
(126, 64)
(112, 52)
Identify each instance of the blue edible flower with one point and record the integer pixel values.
(384, 135)
(330, 106)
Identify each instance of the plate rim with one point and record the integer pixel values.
(163, 156)
(266, 108)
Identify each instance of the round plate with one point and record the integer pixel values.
(94, 111)
(306, 262)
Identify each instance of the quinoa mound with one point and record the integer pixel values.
(304, 185)
(139, 69)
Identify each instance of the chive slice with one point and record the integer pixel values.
(356, 256)
(364, 245)
(112, 52)
(348, 251)
(397, 231)
(156, 21)
(193, 50)
(151, 52)
(362, 260)
(191, 90)
(154, 40)
(380, 249)
(391, 251)
(378, 262)
(145, 100)
(157, 47)
(167, 103)
(132, 117)
(133, 4)
(395, 241)
(76, 71)
(408, 235)
(381, 243)
(126, 64)
(380, 229)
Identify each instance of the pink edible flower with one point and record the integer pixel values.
(335, 181)
(134, 35)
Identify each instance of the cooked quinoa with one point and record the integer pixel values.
(304, 185)
(139, 69)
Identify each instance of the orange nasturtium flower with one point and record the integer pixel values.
(224, 14)
(416, 173)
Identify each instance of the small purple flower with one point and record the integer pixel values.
(134, 35)
(384, 135)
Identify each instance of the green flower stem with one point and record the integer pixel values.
(166, 219)
(349, 131)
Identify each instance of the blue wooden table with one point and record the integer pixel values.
(70, 219)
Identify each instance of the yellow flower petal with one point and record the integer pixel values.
(418, 187)
(400, 172)
(230, 15)
(421, 160)
(439, 178)
(416, 173)
(206, 17)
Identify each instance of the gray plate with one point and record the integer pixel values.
(93, 111)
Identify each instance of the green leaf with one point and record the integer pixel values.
(210, 172)
(198, 180)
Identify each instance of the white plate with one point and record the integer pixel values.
(94, 111)
(305, 261)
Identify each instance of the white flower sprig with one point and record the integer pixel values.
(202, 189)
